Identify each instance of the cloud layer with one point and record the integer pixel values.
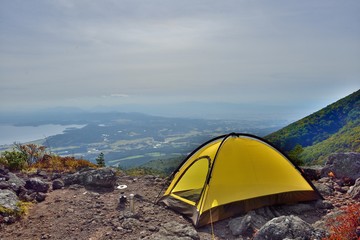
(75, 52)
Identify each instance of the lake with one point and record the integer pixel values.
(10, 134)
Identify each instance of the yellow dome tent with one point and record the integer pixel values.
(233, 174)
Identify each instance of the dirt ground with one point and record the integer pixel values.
(79, 213)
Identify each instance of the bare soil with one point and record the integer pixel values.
(79, 213)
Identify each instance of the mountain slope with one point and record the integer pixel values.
(334, 128)
(346, 140)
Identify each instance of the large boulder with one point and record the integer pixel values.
(287, 227)
(246, 225)
(8, 200)
(37, 185)
(15, 182)
(343, 165)
(354, 191)
(97, 178)
(252, 221)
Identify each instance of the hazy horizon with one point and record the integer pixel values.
(283, 58)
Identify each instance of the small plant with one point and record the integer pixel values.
(344, 226)
(21, 210)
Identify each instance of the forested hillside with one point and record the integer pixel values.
(335, 128)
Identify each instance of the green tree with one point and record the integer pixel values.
(100, 160)
(295, 153)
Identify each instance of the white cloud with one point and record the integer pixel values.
(116, 95)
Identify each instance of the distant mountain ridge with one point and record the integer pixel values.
(335, 128)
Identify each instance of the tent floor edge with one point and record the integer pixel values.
(241, 207)
(184, 208)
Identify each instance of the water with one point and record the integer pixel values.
(10, 134)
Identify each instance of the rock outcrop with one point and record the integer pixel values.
(8, 200)
(96, 178)
(287, 227)
(342, 166)
(37, 185)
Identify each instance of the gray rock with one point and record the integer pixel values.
(312, 172)
(55, 176)
(3, 170)
(24, 196)
(291, 227)
(40, 197)
(324, 204)
(72, 179)
(343, 165)
(248, 224)
(131, 223)
(57, 184)
(175, 231)
(4, 185)
(298, 209)
(354, 191)
(15, 181)
(8, 199)
(37, 185)
(42, 174)
(165, 236)
(181, 230)
(324, 189)
(98, 178)
(4, 177)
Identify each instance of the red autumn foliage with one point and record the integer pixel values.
(344, 226)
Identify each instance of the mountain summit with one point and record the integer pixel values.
(335, 128)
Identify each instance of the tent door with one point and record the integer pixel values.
(191, 184)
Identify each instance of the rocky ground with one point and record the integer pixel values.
(80, 206)
(76, 212)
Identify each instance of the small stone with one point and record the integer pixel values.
(153, 228)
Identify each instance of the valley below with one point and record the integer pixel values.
(130, 140)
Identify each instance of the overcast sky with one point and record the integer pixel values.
(107, 52)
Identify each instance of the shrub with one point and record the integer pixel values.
(344, 226)
(32, 151)
(14, 160)
(62, 164)
(3, 161)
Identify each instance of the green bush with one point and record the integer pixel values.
(14, 160)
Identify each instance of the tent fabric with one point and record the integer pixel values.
(233, 174)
